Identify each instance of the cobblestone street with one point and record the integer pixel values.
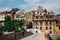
(35, 36)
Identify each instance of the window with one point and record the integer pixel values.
(41, 17)
(40, 23)
(17, 16)
(46, 28)
(36, 23)
(59, 27)
(51, 16)
(50, 27)
(50, 31)
(35, 13)
(40, 28)
(46, 16)
(37, 17)
(40, 14)
(50, 22)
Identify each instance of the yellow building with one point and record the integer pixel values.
(28, 16)
(2, 16)
(44, 20)
(58, 24)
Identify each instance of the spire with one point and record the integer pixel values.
(45, 10)
(39, 8)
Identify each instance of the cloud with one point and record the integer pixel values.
(4, 9)
(50, 5)
(53, 6)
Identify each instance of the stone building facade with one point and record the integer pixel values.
(58, 24)
(44, 20)
(2, 16)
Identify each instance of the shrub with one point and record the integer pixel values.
(50, 38)
(1, 30)
(58, 38)
(16, 30)
(1, 33)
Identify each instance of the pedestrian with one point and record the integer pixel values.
(36, 31)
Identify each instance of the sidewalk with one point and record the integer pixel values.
(35, 36)
(23, 36)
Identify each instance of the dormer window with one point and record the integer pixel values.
(41, 17)
(47, 17)
(40, 14)
(48, 13)
(35, 13)
(51, 17)
(17, 16)
(45, 10)
(37, 17)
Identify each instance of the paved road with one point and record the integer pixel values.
(35, 36)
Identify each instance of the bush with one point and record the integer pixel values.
(1, 30)
(58, 38)
(16, 30)
(1, 33)
(50, 38)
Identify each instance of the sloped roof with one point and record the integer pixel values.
(58, 15)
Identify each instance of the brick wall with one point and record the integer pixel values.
(12, 36)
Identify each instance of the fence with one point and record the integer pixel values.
(12, 36)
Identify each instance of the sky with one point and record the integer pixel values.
(28, 5)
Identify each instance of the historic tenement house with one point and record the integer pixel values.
(58, 24)
(44, 20)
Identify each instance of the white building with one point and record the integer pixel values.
(19, 15)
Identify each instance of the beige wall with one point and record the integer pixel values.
(28, 16)
(1, 23)
(57, 30)
(53, 26)
(2, 15)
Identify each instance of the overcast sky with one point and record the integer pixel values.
(28, 5)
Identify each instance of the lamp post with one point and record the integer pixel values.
(15, 34)
(15, 31)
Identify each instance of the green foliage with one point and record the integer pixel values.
(16, 30)
(18, 23)
(1, 33)
(8, 24)
(58, 38)
(50, 38)
(12, 25)
(1, 30)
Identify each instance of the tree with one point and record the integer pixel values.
(58, 38)
(1, 30)
(12, 25)
(50, 38)
(18, 24)
(8, 24)
(21, 23)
